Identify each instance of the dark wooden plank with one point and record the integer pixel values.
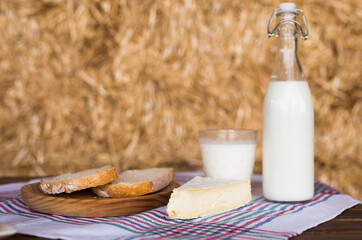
(329, 236)
(348, 225)
(4, 180)
(24, 237)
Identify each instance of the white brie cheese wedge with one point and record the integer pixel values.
(202, 196)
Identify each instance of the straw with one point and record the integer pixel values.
(87, 83)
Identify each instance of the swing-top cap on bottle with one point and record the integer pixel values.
(288, 8)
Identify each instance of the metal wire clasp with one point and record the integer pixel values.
(304, 34)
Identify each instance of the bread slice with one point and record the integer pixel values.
(72, 182)
(134, 183)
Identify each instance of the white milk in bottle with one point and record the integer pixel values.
(288, 120)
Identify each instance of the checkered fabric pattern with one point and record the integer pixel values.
(253, 221)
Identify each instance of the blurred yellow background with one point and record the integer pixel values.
(87, 83)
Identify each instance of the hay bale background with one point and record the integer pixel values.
(84, 84)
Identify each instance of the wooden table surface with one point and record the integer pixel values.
(346, 226)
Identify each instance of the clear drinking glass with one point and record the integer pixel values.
(228, 153)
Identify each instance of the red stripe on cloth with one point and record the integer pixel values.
(32, 212)
(5, 208)
(269, 231)
(68, 220)
(257, 205)
(25, 213)
(235, 231)
(141, 221)
(3, 199)
(224, 216)
(15, 192)
(27, 210)
(133, 226)
(5, 193)
(155, 219)
(234, 212)
(149, 238)
(274, 233)
(160, 212)
(122, 221)
(185, 228)
(231, 232)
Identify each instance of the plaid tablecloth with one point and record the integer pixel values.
(259, 219)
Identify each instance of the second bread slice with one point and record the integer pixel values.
(134, 183)
(72, 182)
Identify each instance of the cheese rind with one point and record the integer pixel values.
(204, 196)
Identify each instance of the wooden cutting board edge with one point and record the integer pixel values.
(89, 205)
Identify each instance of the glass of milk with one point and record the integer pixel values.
(228, 153)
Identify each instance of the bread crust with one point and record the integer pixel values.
(93, 180)
(134, 190)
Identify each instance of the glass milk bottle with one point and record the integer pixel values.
(288, 119)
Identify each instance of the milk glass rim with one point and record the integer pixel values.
(228, 130)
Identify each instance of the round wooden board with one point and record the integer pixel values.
(86, 204)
